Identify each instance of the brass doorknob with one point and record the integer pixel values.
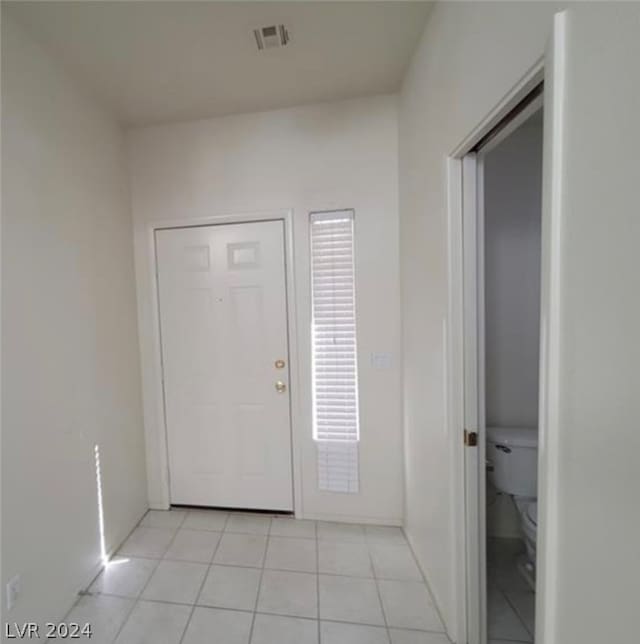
(280, 387)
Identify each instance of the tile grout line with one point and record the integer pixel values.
(334, 620)
(375, 579)
(368, 542)
(247, 611)
(264, 561)
(138, 598)
(204, 578)
(517, 614)
(248, 567)
(425, 581)
(85, 591)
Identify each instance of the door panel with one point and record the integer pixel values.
(222, 301)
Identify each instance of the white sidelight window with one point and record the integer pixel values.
(336, 427)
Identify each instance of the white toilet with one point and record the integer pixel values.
(512, 456)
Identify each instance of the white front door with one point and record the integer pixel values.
(223, 319)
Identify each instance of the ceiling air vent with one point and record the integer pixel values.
(270, 37)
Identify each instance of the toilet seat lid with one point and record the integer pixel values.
(532, 512)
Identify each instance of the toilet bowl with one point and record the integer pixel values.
(512, 454)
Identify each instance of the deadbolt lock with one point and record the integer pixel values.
(280, 387)
(279, 364)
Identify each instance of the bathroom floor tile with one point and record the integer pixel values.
(147, 542)
(254, 577)
(193, 545)
(524, 603)
(212, 625)
(338, 558)
(394, 562)
(241, 550)
(385, 534)
(284, 553)
(288, 593)
(288, 527)
(213, 520)
(155, 623)
(248, 524)
(230, 587)
(331, 531)
(273, 629)
(408, 604)
(338, 633)
(502, 621)
(175, 581)
(400, 636)
(348, 599)
(106, 615)
(124, 576)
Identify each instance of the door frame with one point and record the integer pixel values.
(465, 323)
(161, 464)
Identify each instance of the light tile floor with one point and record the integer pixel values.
(510, 600)
(205, 576)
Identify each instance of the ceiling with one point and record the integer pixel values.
(153, 62)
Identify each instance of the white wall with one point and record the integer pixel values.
(513, 215)
(70, 369)
(322, 157)
(591, 385)
(470, 56)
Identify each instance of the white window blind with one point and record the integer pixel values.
(334, 350)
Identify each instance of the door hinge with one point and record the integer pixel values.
(470, 438)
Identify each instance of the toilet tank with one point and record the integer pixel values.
(512, 454)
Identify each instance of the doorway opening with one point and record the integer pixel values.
(500, 184)
(511, 172)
